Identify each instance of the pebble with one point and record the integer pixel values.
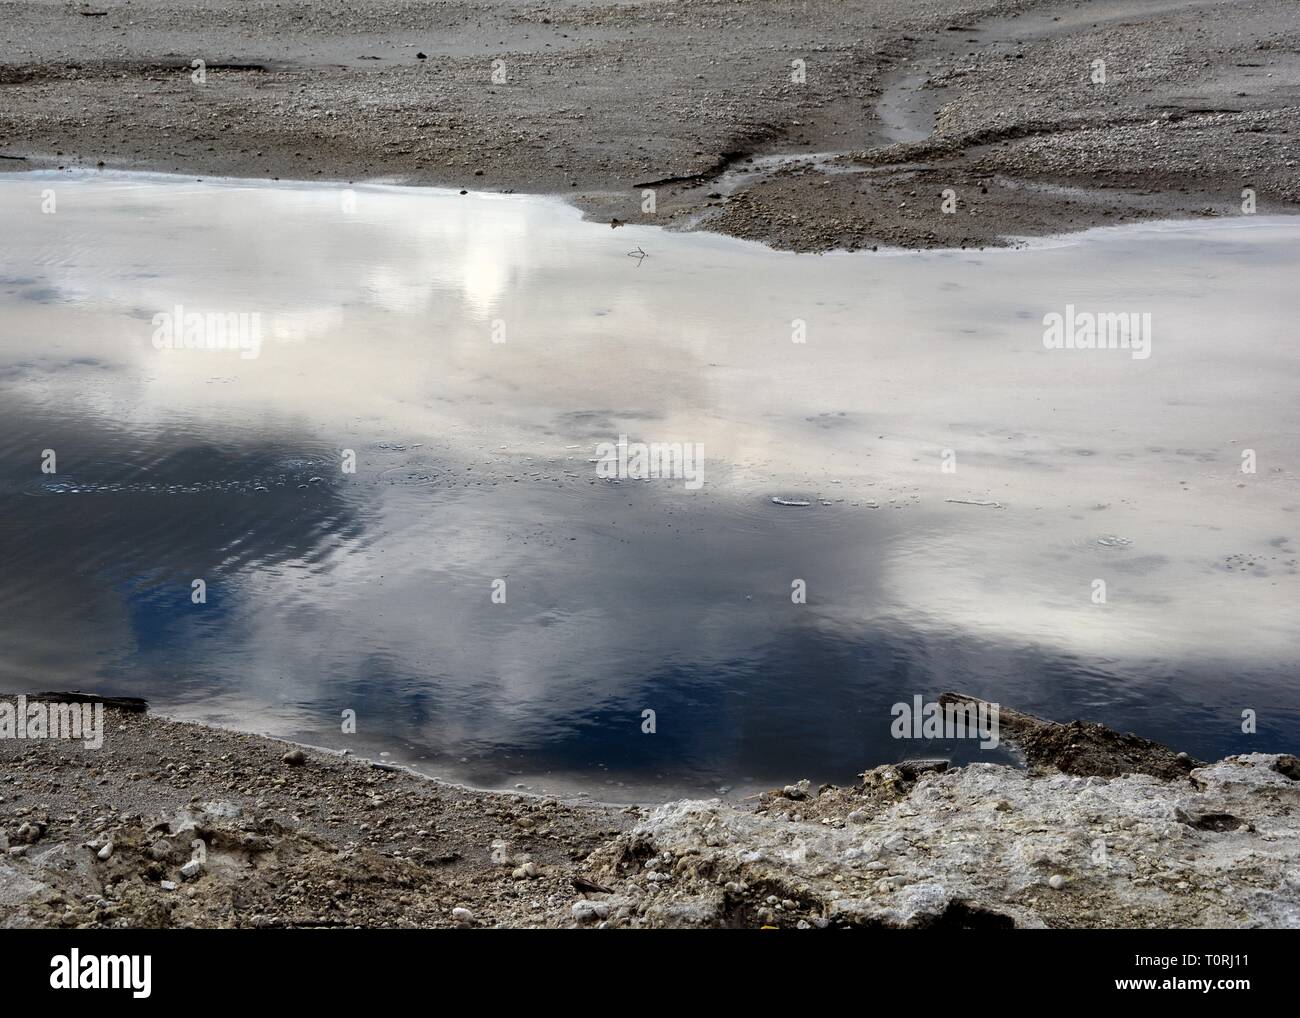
(29, 833)
(105, 852)
(462, 915)
(1056, 882)
(192, 869)
(294, 758)
(585, 910)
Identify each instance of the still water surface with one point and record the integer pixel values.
(372, 591)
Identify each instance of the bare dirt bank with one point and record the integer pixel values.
(1102, 830)
(694, 99)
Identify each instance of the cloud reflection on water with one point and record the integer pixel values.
(371, 591)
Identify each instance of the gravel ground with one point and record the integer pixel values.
(294, 837)
(901, 101)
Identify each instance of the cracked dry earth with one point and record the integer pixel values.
(306, 838)
(996, 101)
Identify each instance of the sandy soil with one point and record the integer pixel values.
(902, 100)
(307, 838)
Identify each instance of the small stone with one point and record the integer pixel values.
(1056, 882)
(799, 790)
(29, 833)
(294, 758)
(105, 852)
(192, 869)
(462, 915)
(167, 885)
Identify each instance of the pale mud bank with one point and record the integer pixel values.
(823, 124)
(1101, 830)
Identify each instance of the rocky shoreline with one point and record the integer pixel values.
(831, 124)
(172, 824)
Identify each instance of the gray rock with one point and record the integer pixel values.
(29, 833)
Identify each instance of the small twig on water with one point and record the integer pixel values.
(639, 255)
